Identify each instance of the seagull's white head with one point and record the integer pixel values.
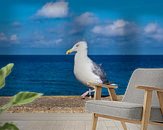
(79, 46)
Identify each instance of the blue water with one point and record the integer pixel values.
(53, 75)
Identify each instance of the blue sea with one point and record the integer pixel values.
(53, 74)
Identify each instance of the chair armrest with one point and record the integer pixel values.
(98, 88)
(102, 85)
(149, 88)
(148, 95)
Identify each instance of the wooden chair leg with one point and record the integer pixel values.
(146, 110)
(94, 121)
(160, 98)
(113, 95)
(124, 125)
(97, 93)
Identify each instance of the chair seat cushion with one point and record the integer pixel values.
(125, 110)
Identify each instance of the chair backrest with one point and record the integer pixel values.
(147, 77)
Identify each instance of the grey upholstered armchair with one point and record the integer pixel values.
(142, 102)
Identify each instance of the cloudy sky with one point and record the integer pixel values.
(109, 26)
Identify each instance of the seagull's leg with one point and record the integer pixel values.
(90, 92)
(85, 94)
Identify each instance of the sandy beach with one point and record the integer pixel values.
(56, 104)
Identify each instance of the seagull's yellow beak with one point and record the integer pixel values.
(69, 51)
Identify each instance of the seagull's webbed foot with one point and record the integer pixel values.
(87, 93)
(84, 94)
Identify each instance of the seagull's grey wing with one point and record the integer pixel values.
(97, 70)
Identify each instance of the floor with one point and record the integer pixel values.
(53, 121)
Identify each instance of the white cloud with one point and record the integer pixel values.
(13, 38)
(54, 10)
(86, 18)
(16, 24)
(117, 28)
(151, 28)
(58, 41)
(40, 39)
(9, 39)
(3, 37)
(154, 31)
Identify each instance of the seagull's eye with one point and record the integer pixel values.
(77, 45)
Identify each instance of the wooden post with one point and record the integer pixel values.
(124, 125)
(146, 109)
(160, 98)
(97, 96)
(94, 121)
(97, 93)
(112, 93)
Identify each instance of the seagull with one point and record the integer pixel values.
(85, 70)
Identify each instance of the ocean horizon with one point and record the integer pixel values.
(53, 75)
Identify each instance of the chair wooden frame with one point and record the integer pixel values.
(146, 106)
